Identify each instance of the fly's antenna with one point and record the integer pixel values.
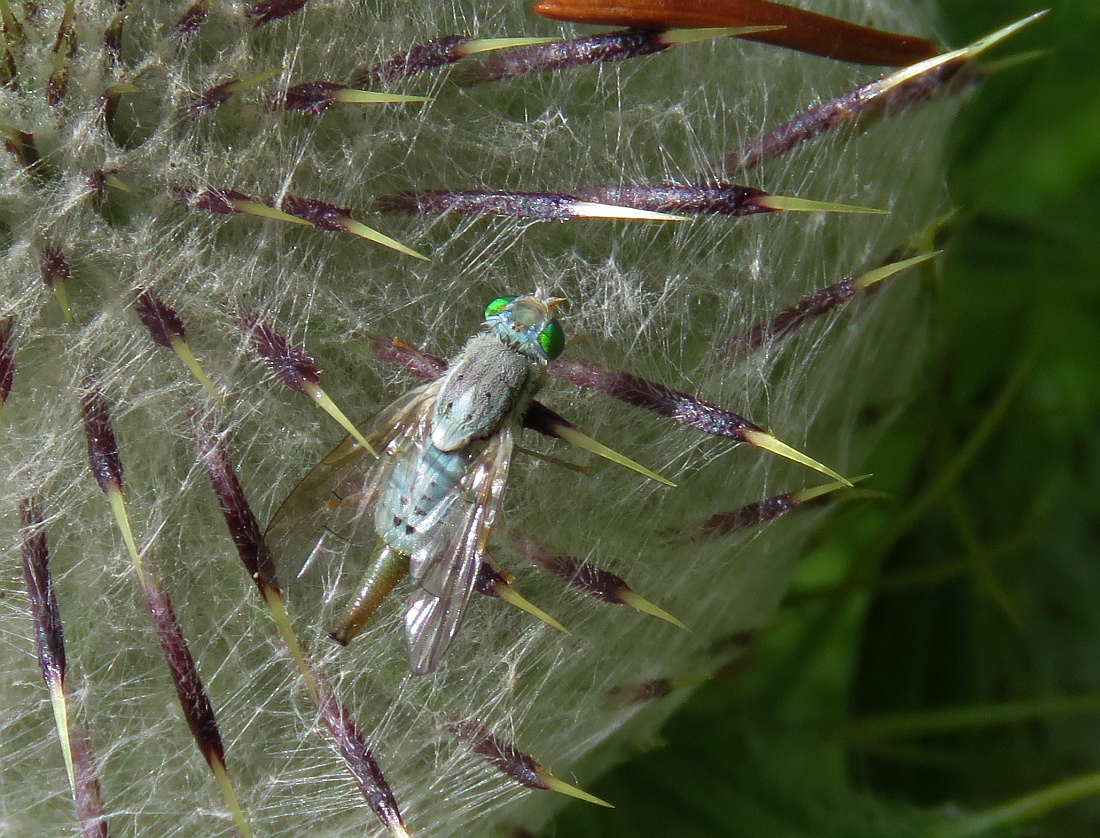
(552, 303)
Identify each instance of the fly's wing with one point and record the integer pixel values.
(328, 513)
(435, 611)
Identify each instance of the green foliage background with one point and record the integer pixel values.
(937, 662)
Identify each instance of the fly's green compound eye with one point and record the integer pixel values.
(497, 306)
(552, 339)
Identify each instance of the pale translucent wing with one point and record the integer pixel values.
(329, 512)
(435, 611)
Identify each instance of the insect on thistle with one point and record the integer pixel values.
(428, 503)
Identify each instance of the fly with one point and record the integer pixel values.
(428, 503)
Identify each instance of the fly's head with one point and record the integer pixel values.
(528, 324)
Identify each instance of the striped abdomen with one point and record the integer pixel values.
(421, 492)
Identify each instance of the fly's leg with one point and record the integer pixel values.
(388, 568)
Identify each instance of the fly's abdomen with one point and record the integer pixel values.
(423, 488)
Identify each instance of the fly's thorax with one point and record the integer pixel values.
(488, 384)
